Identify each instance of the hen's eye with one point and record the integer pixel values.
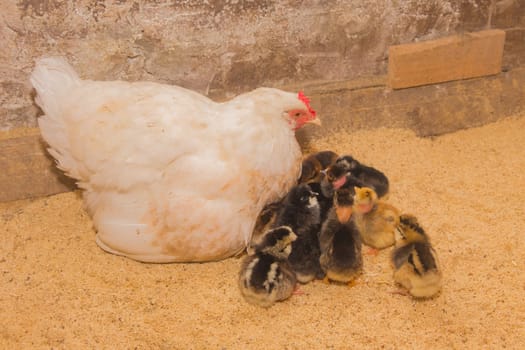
(297, 115)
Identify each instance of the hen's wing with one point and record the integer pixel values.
(120, 134)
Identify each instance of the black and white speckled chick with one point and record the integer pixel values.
(340, 241)
(312, 174)
(266, 276)
(301, 212)
(415, 262)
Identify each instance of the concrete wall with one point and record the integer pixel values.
(223, 47)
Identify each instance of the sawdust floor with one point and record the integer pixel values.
(59, 290)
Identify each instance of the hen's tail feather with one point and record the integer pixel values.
(53, 78)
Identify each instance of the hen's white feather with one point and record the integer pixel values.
(168, 174)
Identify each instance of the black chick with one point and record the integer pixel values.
(314, 164)
(266, 275)
(312, 173)
(348, 172)
(340, 241)
(325, 203)
(301, 212)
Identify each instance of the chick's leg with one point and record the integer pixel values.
(353, 283)
(297, 291)
(372, 251)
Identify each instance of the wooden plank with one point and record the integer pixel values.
(427, 110)
(28, 171)
(451, 58)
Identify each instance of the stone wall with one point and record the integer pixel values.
(223, 47)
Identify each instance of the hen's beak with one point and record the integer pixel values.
(315, 121)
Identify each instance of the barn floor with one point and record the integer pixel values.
(59, 290)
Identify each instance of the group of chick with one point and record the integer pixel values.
(317, 230)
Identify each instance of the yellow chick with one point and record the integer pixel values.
(340, 243)
(415, 262)
(266, 276)
(375, 219)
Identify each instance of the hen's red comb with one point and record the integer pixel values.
(306, 101)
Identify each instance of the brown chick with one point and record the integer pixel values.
(266, 277)
(415, 261)
(375, 219)
(340, 243)
(314, 164)
(264, 222)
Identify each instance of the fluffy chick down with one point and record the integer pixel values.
(340, 241)
(415, 261)
(266, 277)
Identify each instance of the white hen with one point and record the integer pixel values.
(168, 174)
